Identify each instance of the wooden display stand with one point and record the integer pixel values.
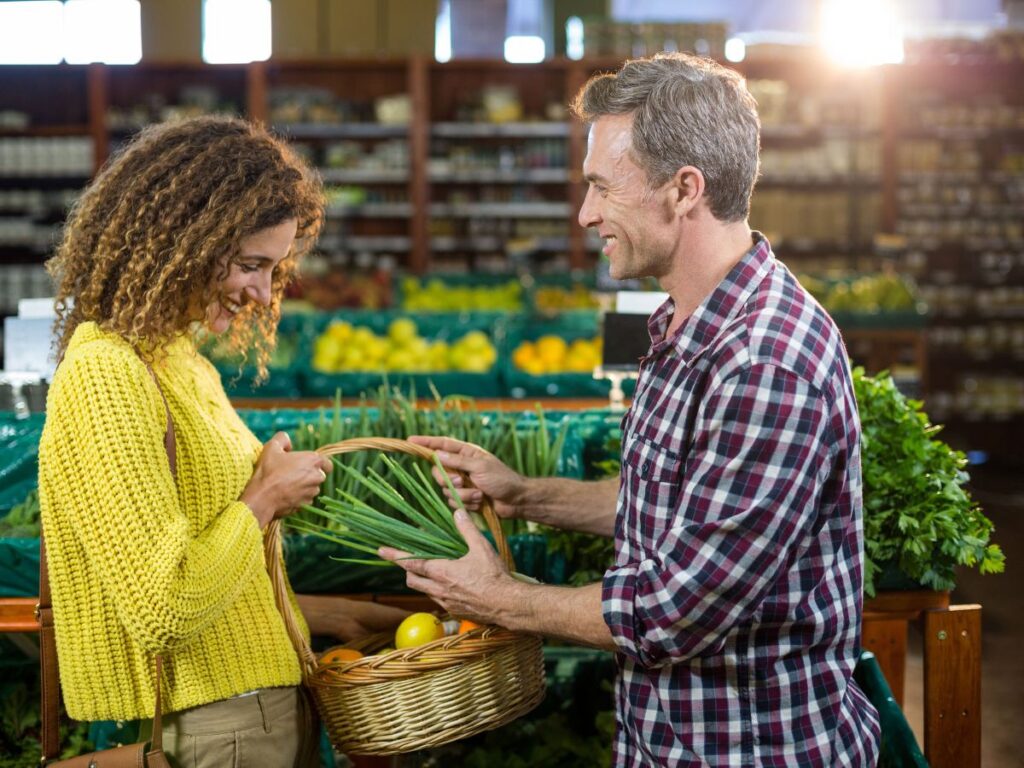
(952, 662)
(952, 667)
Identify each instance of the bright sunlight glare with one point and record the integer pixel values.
(31, 32)
(107, 31)
(524, 49)
(443, 32)
(735, 50)
(861, 33)
(574, 38)
(236, 31)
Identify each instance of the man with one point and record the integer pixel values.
(734, 602)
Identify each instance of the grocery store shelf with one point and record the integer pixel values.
(47, 181)
(365, 243)
(496, 176)
(501, 210)
(815, 133)
(455, 244)
(45, 131)
(364, 175)
(961, 132)
(341, 130)
(817, 180)
(483, 130)
(370, 211)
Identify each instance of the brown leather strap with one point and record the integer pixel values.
(170, 442)
(49, 676)
(49, 670)
(156, 742)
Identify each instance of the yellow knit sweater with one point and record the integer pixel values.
(138, 563)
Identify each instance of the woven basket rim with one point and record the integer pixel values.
(403, 663)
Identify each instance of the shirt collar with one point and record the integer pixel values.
(702, 327)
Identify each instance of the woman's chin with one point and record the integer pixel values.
(219, 324)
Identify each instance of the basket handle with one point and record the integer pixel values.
(272, 543)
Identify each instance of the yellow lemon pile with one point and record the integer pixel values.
(552, 354)
(436, 296)
(343, 347)
(550, 299)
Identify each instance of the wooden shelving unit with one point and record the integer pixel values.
(466, 186)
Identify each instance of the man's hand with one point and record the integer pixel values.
(486, 472)
(475, 586)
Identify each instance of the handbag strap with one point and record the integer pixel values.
(48, 668)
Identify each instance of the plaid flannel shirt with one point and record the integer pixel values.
(735, 598)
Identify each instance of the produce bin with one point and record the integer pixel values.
(521, 384)
(454, 281)
(434, 326)
(899, 747)
(283, 371)
(19, 452)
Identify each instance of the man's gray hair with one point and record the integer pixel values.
(687, 110)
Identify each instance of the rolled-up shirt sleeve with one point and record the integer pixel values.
(751, 480)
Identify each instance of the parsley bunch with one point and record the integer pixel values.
(917, 512)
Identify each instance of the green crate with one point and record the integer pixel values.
(435, 326)
(19, 567)
(520, 384)
(462, 280)
(899, 747)
(282, 380)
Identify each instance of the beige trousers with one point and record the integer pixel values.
(271, 728)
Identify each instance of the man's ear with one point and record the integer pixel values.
(687, 187)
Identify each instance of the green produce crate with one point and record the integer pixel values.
(520, 384)
(19, 452)
(456, 280)
(899, 747)
(19, 567)
(283, 379)
(435, 326)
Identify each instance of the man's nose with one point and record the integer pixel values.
(589, 216)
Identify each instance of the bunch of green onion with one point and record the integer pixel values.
(419, 522)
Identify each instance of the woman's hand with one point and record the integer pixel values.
(346, 619)
(283, 480)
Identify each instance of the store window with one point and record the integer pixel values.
(75, 31)
(32, 32)
(236, 31)
(107, 31)
(525, 26)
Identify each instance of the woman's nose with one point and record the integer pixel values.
(260, 291)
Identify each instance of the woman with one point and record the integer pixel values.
(195, 228)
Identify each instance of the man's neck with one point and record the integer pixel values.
(712, 249)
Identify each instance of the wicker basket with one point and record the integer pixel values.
(419, 697)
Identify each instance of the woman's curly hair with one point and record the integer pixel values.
(158, 228)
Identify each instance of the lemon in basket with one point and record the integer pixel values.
(418, 629)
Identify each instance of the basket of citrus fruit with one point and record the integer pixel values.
(434, 681)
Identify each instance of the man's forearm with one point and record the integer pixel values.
(567, 613)
(573, 505)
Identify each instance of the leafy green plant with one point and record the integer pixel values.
(917, 511)
(23, 519)
(20, 723)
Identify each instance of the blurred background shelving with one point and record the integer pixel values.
(912, 171)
